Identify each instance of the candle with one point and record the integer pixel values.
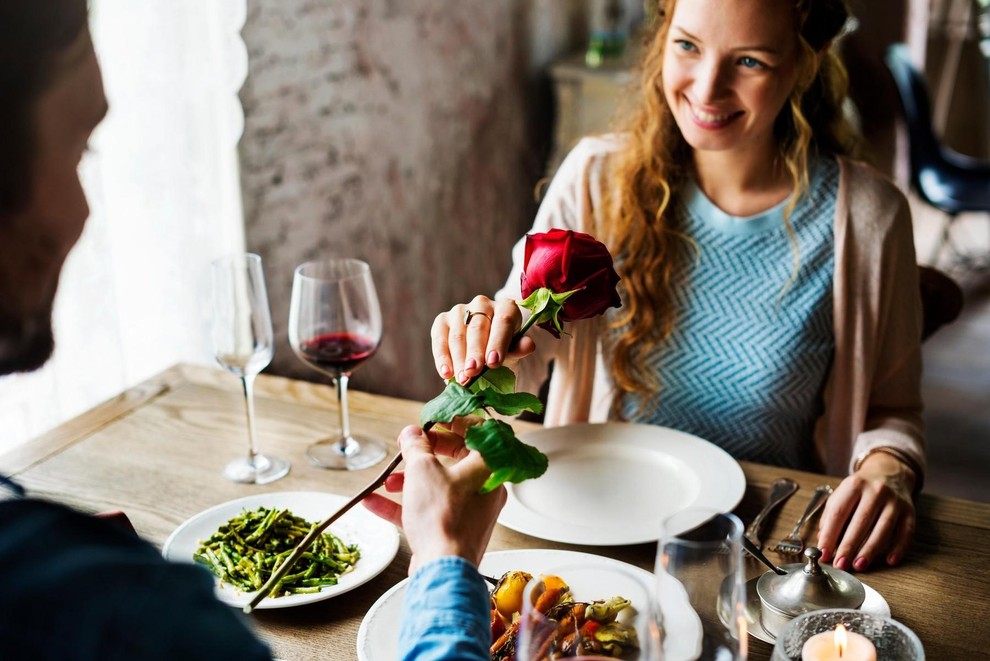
(838, 645)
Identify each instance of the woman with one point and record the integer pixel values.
(770, 295)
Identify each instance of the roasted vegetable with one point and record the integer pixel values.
(507, 595)
(577, 628)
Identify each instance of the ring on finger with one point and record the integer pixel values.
(468, 314)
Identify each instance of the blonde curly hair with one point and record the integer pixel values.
(648, 172)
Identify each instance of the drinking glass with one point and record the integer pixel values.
(588, 582)
(243, 344)
(335, 325)
(701, 586)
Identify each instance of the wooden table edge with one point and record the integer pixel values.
(946, 509)
(80, 427)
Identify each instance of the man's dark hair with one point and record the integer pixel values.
(32, 35)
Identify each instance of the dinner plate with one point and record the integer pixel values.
(614, 483)
(874, 604)
(377, 540)
(379, 632)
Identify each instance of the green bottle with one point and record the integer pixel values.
(608, 35)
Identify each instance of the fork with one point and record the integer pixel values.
(781, 489)
(793, 544)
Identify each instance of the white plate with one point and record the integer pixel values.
(614, 483)
(874, 604)
(377, 540)
(379, 633)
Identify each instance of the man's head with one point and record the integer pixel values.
(51, 99)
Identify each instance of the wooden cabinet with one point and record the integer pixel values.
(587, 98)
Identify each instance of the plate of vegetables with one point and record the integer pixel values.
(378, 634)
(241, 542)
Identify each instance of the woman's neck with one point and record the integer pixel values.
(741, 182)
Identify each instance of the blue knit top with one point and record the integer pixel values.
(747, 361)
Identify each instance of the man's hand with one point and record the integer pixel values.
(442, 513)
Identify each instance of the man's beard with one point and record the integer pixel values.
(25, 344)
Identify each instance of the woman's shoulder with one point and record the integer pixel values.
(595, 149)
(586, 160)
(875, 211)
(868, 186)
(602, 144)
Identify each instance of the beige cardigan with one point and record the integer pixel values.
(873, 394)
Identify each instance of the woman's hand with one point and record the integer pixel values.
(871, 515)
(462, 351)
(442, 512)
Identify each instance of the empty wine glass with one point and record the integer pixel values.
(701, 586)
(542, 630)
(243, 343)
(335, 325)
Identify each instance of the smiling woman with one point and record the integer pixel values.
(161, 180)
(754, 314)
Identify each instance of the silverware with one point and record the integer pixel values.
(793, 544)
(758, 554)
(315, 532)
(781, 489)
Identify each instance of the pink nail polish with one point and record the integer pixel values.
(893, 559)
(825, 553)
(493, 358)
(861, 563)
(470, 364)
(840, 563)
(445, 371)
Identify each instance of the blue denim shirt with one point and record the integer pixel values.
(445, 614)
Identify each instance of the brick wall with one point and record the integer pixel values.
(406, 133)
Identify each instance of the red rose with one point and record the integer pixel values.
(563, 261)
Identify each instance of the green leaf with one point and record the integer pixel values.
(455, 400)
(511, 403)
(546, 305)
(509, 459)
(500, 379)
(562, 297)
(537, 301)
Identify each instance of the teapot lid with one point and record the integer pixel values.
(810, 587)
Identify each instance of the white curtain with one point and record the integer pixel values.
(163, 186)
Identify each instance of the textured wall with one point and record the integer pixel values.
(407, 133)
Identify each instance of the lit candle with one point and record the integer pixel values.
(838, 645)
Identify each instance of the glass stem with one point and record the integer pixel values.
(248, 382)
(345, 423)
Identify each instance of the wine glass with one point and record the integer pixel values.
(701, 586)
(602, 579)
(243, 344)
(335, 325)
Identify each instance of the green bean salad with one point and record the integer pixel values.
(247, 549)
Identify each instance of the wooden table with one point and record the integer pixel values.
(156, 450)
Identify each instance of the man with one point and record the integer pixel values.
(79, 587)
(72, 586)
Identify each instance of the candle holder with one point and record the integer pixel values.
(893, 640)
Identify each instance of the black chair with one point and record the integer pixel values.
(941, 300)
(947, 180)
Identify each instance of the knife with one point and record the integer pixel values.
(781, 489)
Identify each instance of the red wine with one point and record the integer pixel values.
(337, 353)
